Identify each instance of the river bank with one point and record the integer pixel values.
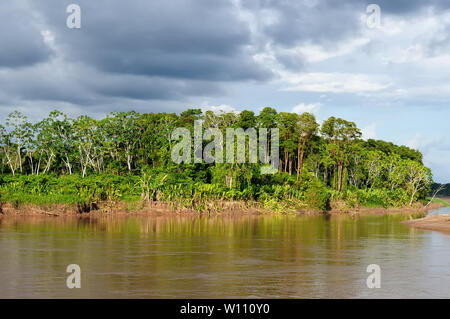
(222, 208)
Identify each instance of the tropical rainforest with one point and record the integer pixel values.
(125, 157)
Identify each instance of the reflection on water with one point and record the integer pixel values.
(221, 257)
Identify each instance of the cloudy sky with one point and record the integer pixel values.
(295, 55)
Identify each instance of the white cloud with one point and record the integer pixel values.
(222, 108)
(302, 108)
(316, 53)
(415, 142)
(48, 37)
(369, 132)
(332, 82)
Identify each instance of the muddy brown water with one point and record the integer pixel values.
(221, 257)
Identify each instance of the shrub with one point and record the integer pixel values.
(317, 196)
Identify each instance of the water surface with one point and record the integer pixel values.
(443, 210)
(221, 257)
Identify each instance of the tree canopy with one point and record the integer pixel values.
(331, 156)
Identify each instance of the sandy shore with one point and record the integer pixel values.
(363, 211)
(435, 222)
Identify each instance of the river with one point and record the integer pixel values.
(221, 257)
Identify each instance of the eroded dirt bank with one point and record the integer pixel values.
(156, 208)
(224, 208)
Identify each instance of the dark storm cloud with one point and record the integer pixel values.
(45, 83)
(300, 21)
(403, 7)
(328, 21)
(178, 39)
(162, 49)
(153, 88)
(143, 50)
(86, 86)
(21, 44)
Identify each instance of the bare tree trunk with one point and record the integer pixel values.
(412, 197)
(441, 187)
(285, 161)
(290, 165)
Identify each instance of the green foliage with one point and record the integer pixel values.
(317, 196)
(444, 191)
(126, 157)
(69, 189)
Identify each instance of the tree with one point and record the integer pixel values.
(357, 155)
(417, 178)
(128, 144)
(188, 117)
(246, 120)
(374, 167)
(122, 131)
(88, 141)
(4, 147)
(267, 119)
(287, 124)
(342, 134)
(62, 130)
(21, 135)
(52, 140)
(392, 166)
(306, 128)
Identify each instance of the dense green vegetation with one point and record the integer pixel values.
(127, 157)
(443, 190)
